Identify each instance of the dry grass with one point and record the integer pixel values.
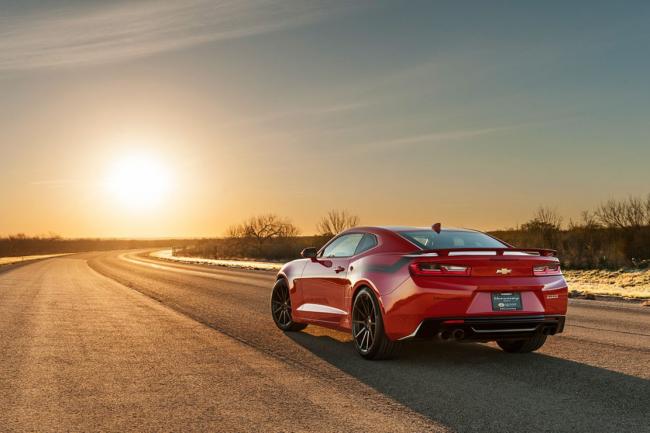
(626, 283)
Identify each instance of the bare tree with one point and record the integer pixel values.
(549, 216)
(633, 212)
(335, 222)
(589, 220)
(263, 227)
(611, 214)
(235, 231)
(545, 219)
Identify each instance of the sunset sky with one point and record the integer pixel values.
(180, 118)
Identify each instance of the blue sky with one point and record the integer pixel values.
(472, 113)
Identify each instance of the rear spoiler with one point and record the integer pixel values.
(488, 251)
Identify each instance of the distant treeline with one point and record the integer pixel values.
(615, 235)
(21, 245)
(268, 237)
(279, 249)
(588, 248)
(578, 248)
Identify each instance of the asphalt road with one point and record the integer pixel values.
(118, 342)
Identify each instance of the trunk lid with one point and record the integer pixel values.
(504, 262)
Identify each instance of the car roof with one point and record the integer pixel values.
(393, 239)
(398, 229)
(412, 228)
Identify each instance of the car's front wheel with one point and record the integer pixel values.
(522, 345)
(368, 328)
(281, 308)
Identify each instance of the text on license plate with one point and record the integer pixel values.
(506, 301)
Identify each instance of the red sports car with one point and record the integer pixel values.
(390, 284)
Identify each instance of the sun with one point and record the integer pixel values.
(139, 181)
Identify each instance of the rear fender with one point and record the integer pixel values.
(381, 273)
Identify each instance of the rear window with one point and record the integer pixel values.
(448, 239)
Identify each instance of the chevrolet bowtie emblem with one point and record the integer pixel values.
(504, 271)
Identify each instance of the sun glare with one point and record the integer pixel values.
(139, 181)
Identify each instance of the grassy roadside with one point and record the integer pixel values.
(634, 284)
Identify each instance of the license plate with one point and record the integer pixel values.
(506, 301)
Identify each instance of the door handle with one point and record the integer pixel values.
(339, 269)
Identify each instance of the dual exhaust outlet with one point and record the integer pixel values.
(459, 333)
(456, 334)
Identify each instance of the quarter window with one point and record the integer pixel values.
(343, 246)
(368, 241)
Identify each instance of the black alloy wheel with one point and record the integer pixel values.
(281, 308)
(368, 328)
(364, 322)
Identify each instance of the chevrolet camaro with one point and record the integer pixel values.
(386, 285)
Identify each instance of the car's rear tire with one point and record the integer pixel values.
(281, 308)
(368, 334)
(523, 345)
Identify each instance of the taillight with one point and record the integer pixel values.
(546, 270)
(431, 269)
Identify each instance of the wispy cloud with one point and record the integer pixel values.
(437, 137)
(298, 113)
(113, 32)
(434, 137)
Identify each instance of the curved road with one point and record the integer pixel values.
(118, 341)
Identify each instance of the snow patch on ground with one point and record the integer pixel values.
(244, 264)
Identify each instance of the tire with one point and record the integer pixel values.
(281, 308)
(368, 334)
(522, 346)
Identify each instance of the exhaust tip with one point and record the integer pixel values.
(459, 334)
(445, 335)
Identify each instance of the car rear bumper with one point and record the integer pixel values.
(488, 328)
(418, 303)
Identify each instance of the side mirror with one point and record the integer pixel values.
(309, 253)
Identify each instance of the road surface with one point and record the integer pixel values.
(121, 342)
